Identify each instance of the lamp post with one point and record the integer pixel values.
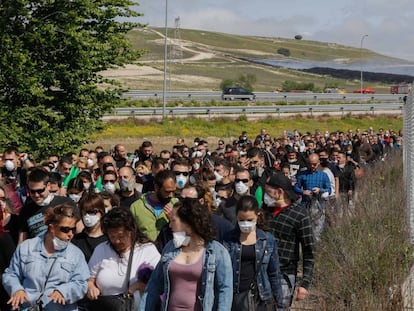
(362, 83)
(164, 85)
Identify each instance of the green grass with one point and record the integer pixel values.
(133, 131)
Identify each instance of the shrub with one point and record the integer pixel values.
(283, 51)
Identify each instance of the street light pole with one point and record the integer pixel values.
(362, 83)
(164, 85)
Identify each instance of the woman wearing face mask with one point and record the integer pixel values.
(87, 180)
(10, 221)
(109, 261)
(195, 271)
(49, 268)
(75, 190)
(254, 255)
(92, 208)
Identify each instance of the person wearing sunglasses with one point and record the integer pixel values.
(31, 217)
(48, 269)
(181, 169)
(92, 209)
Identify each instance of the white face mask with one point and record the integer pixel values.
(2, 205)
(181, 239)
(196, 166)
(91, 163)
(341, 165)
(110, 187)
(86, 185)
(46, 201)
(75, 197)
(247, 226)
(241, 188)
(219, 177)
(292, 160)
(181, 181)
(9, 165)
(268, 200)
(59, 244)
(90, 220)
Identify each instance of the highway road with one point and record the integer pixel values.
(272, 97)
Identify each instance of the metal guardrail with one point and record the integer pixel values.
(219, 110)
(204, 96)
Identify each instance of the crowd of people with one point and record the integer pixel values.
(186, 228)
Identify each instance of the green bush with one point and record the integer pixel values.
(283, 51)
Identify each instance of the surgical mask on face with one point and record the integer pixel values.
(90, 220)
(247, 226)
(59, 244)
(163, 200)
(341, 165)
(181, 181)
(2, 205)
(196, 166)
(180, 238)
(75, 197)
(241, 188)
(268, 200)
(91, 163)
(126, 185)
(9, 165)
(291, 160)
(110, 187)
(219, 177)
(86, 185)
(46, 201)
(197, 154)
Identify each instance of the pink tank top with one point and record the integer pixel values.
(185, 285)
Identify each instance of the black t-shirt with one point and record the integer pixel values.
(6, 253)
(87, 244)
(31, 217)
(127, 201)
(248, 267)
(13, 228)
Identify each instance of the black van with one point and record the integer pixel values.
(237, 93)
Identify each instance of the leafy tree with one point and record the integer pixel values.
(226, 83)
(288, 86)
(51, 93)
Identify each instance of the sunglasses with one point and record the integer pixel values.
(244, 180)
(38, 191)
(179, 173)
(67, 229)
(93, 212)
(109, 180)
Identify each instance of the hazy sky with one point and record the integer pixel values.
(389, 24)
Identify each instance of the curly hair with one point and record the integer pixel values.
(193, 213)
(249, 203)
(122, 218)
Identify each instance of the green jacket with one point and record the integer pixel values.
(145, 217)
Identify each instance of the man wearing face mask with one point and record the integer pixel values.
(153, 209)
(181, 169)
(127, 192)
(292, 228)
(222, 169)
(296, 163)
(31, 217)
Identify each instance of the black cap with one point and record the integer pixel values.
(281, 181)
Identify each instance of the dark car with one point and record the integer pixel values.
(237, 93)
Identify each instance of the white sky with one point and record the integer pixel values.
(389, 24)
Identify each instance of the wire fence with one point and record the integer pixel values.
(408, 115)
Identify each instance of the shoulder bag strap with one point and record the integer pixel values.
(128, 273)
(38, 301)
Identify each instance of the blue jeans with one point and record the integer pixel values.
(288, 289)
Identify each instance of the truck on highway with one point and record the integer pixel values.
(401, 89)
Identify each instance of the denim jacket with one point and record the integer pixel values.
(216, 286)
(30, 266)
(269, 277)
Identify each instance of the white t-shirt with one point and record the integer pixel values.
(110, 270)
